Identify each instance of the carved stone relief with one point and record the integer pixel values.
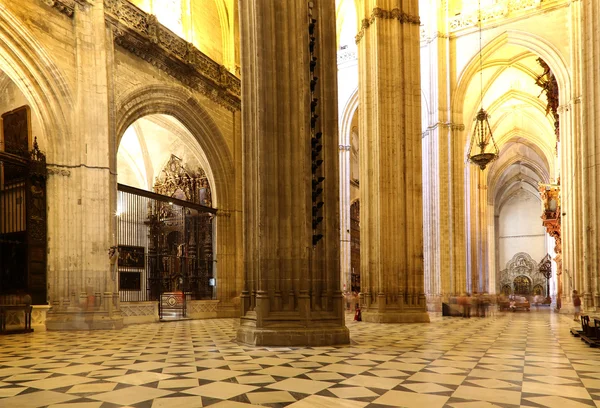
(394, 14)
(66, 7)
(500, 9)
(141, 34)
(521, 264)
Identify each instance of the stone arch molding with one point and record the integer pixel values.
(346, 118)
(183, 106)
(28, 65)
(520, 264)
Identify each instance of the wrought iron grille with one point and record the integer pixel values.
(23, 238)
(165, 246)
(13, 226)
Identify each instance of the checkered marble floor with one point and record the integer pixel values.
(507, 360)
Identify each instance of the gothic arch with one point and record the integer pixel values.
(181, 104)
(537, 45)
(28, 65)
(346, 118)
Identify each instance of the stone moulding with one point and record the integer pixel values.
(500, 9)
(66, 7)
(202, 306)
(129, 309)
(141, 34)
(394, 14)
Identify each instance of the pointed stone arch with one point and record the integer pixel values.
(346, 117)
(537, 45)
(32, 70)
(182, 105)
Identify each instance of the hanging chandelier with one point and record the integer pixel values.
(482, 132)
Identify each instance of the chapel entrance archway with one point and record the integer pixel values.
(165, 216)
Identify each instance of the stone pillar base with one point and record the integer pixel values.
(83, 320)
(434, 304)
(298, 337)
(395, 317)
(228, 310)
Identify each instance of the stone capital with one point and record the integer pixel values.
(382, 14)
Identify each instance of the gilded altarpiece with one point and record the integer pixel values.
(180, 253)
(521, 277)
(551, 219)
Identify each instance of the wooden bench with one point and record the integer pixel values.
(590, 333)
(5, 309)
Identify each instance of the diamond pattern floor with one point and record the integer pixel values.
(507, 360)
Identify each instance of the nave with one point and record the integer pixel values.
(505, 360)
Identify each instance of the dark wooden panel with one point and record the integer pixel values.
(15, 127)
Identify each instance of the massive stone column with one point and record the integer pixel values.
(345, 226)
(82, 286)
(390, 163)
(443, 173)
(292, 290)
(577, 163)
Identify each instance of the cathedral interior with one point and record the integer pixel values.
(304, 203)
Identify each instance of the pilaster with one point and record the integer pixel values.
(588, 12)
(82, 290)
(392, 275)
(345, 226)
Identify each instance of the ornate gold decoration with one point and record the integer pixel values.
(551, 220)
(521, 265)
(141, 34)
(547, 81)
(394, 14)
(177, 182)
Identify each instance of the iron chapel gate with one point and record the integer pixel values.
(23, 219)
(166, 240)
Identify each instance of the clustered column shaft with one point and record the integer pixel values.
(291, 197)
(390, 163)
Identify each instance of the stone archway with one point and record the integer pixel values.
(179, 103)
(30, 67)
(182, 105)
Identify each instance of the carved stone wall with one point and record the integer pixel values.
(202, 309)
(15, 318)
(141, 34)
(139, 312)
(520, 265)
(501, 9)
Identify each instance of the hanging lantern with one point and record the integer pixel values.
(481, 138)
(482, 132)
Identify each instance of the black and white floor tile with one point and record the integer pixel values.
(507, 360)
